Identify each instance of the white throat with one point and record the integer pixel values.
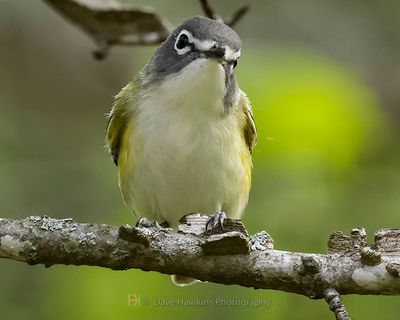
(197, 90)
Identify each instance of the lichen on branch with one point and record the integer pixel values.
(231, 256)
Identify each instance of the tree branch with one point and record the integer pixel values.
(207, 9)
(332, 297)
(110, 23)
(232, 257)
(237, 16)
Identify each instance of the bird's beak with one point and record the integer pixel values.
(223, 56)
(218, 53)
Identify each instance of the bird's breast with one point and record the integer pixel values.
(191, 154)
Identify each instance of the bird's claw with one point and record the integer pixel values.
(146, 223)
(216, 220)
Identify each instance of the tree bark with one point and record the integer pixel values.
(230, 256)
(350, 266)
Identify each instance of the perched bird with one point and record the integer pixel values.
(181, 132)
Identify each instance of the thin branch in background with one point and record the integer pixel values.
(111, 23)
(232, 21)
(237, 16)
(332, 297)
(208, 10)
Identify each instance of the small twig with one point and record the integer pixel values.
(208, 10)
(232, 21)
(237, 16)
(332, 297)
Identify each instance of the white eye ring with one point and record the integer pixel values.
(187, 48)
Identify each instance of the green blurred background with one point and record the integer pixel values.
(324, 80)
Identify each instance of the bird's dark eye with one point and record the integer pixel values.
(182, 42)
(235, 63)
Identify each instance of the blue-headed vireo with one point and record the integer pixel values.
(181, 132)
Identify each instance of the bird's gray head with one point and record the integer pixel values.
(196, 38)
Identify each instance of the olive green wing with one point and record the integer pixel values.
(249, 126)
(121, 114)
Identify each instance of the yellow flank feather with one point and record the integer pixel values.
(249, 127)
(121, 114)
(125, 161)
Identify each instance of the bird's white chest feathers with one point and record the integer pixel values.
(188, 151)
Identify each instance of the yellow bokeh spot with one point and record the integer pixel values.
(308, 108)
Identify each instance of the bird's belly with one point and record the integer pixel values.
(188, 170)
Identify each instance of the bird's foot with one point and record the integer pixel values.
(137, 234)
(146, 223)
(216, 220)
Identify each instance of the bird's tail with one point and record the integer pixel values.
(183, 281)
